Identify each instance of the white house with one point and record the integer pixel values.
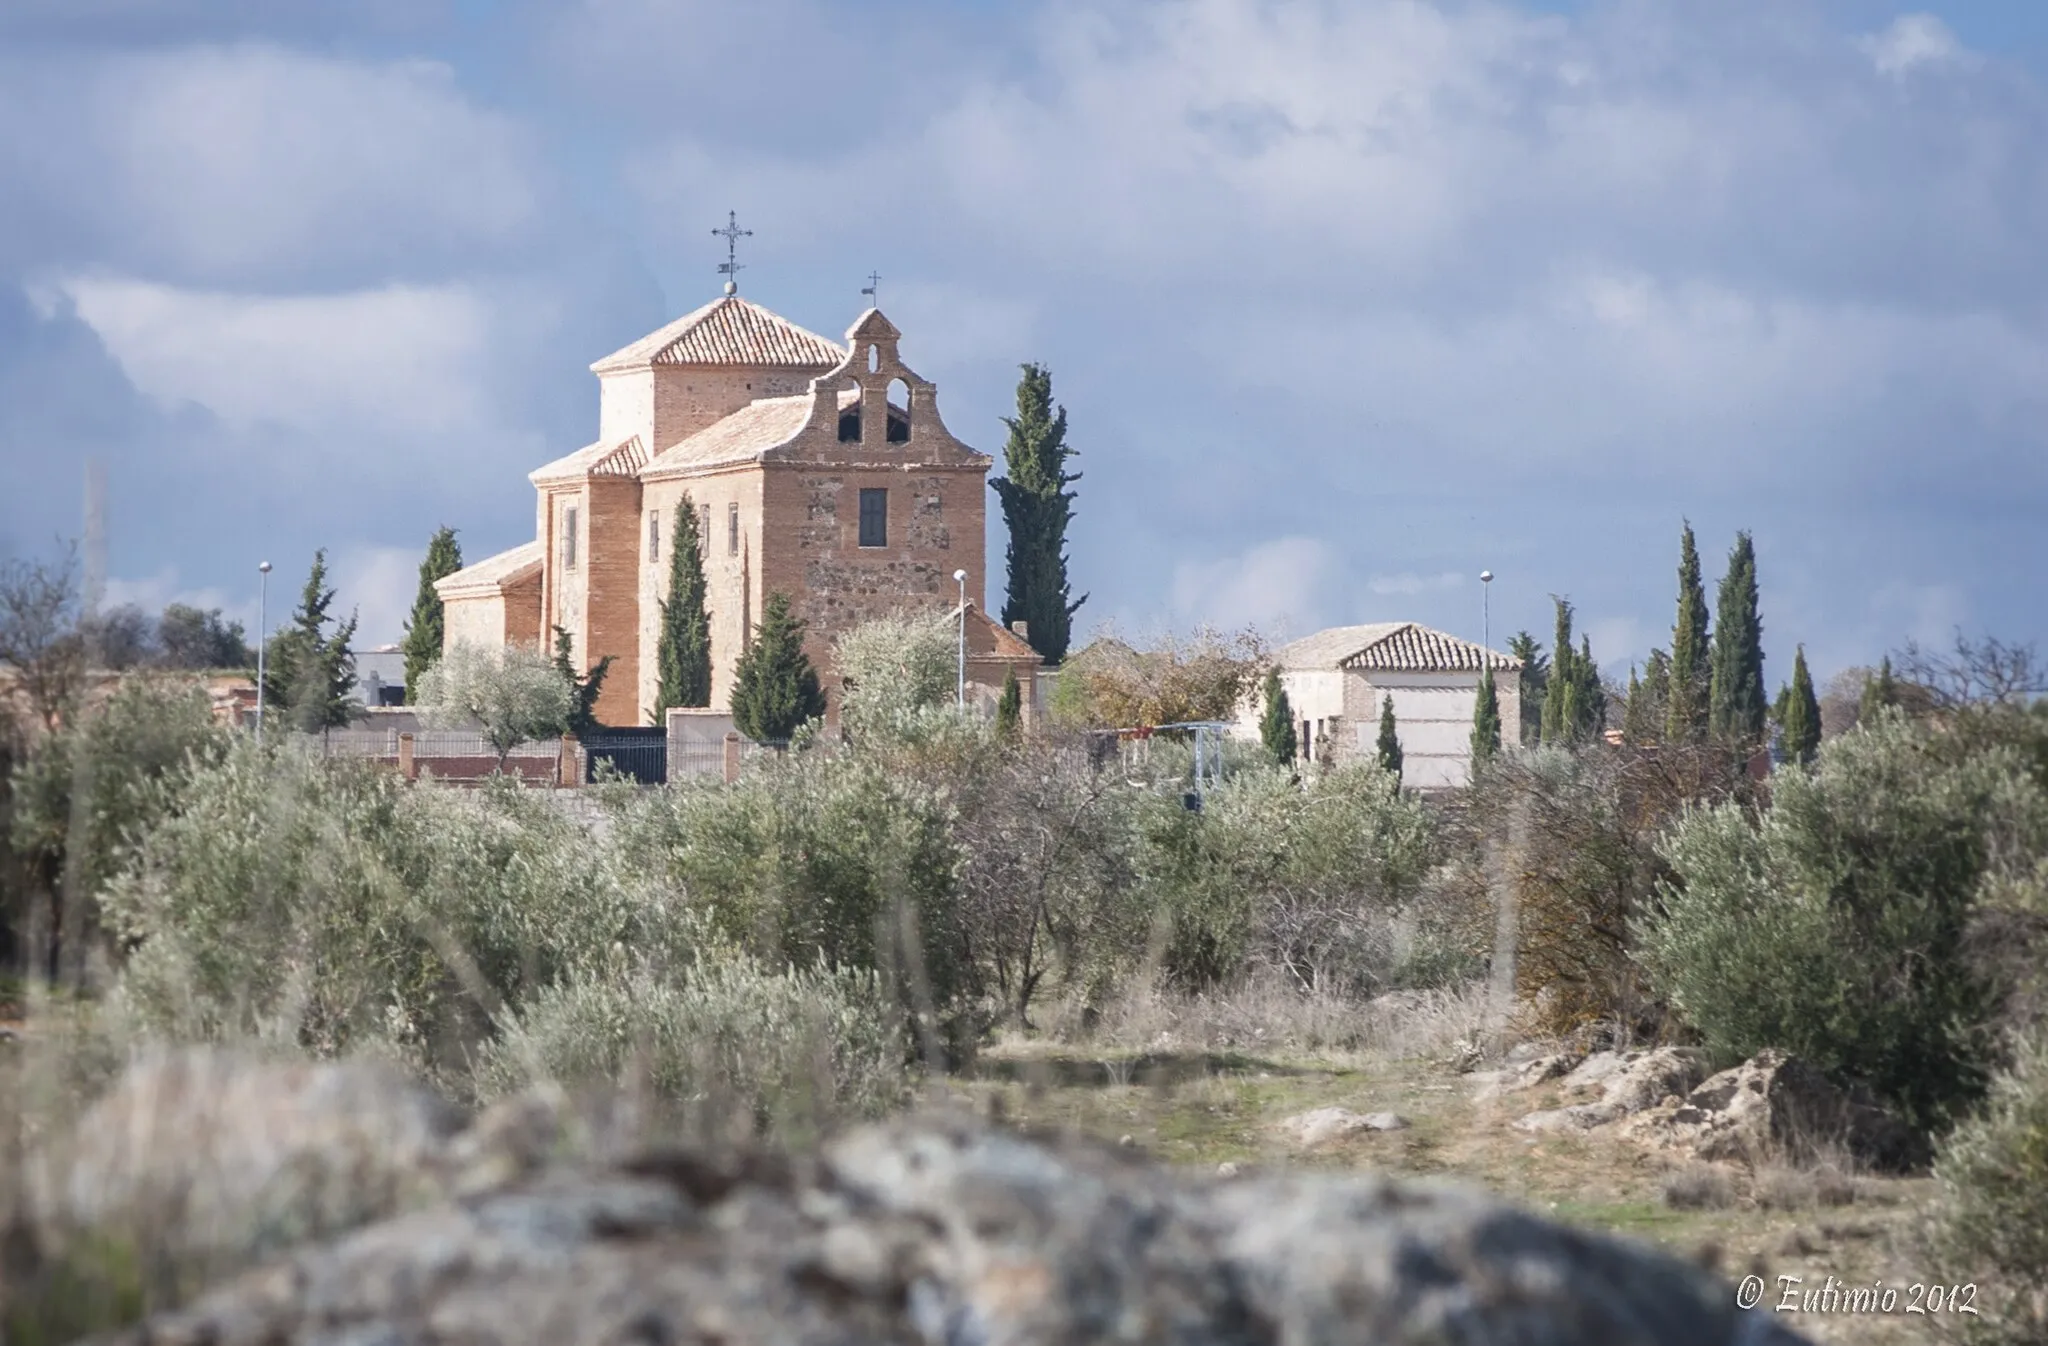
(1336, 681)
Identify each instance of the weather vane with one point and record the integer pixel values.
(732, 234)
(874, 283)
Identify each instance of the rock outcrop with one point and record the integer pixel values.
(942, 1231)
(1776, 1102)
(1320, 1125)
(1626, 1082)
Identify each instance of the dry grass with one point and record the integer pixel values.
(1698, 1187)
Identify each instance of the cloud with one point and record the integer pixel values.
(251, 164)
(1277, 586)
(399, 358)
(1409, 583)
(1913, 40)
(378, 584)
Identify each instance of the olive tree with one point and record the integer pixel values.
(513, 693)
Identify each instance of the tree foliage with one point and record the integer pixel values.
(1276, 722)
(1010, 707)
(776, 689)
(1037, 507)
(40, 641)
(1574, 703)
(426, 629)
(192, 639)
(683, 656)
(1535, 684)
(1485, 721)
(1686, 700)
(514, 694)
(1835, 923)
(584, 688)
(1388, 749)
(896, 674)
(1110, 684)
(1800, 720)
(310, 669)
(1735, 700)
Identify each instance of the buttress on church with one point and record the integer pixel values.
(818, 470)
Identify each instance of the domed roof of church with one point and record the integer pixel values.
(728, 331)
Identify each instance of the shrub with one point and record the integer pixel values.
(783, 1053)
(328, 904)
(818, 858)
(1989, 1221)
(1834, 925)
(896, 671)
(88, 792)
(1305, 879)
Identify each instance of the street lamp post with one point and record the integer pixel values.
(1486, 608)
(960, 701)
(262, 626)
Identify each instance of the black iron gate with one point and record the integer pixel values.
(641, 754)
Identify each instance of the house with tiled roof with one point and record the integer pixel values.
(815, 468)
(1337, 681)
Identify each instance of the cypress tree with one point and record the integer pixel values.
(1037, 506)
(1801, 719)
(1634, 730)
(307, 671)
(584, 688)
(776, 689)
(1010, 707)
(1878, 692)
(1735, 701)
(682, 660)
(1485, 721)
(1574, 705)
(1276, 726)
(1685, 718)
(426, 629)
(1535, 684)
(1390, 741)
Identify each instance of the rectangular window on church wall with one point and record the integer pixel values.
(653, 535)
(874, 516)
(704, 530)
(732, 530)
(569, 538)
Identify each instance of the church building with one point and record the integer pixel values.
(818, 470)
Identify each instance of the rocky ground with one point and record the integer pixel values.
(937, 1228)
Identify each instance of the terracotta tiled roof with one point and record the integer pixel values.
(1008, 644)
(728, 331)
(755, 427)
(1400, 647)
(493, 572)
(623, 459)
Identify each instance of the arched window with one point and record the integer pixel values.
(899, 411)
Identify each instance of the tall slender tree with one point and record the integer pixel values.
(309, 671)
(1037, 506)
(1736, 704)
(682, 659)
(1801, 718)
(1485, 720)
(1685, 711)
(1535, 683)
(1390, 738)
(1276, 726)
(775, 689)
(1010, 708)
(1878, 692)
(1574, 704)
(425, 630)
(584, 687)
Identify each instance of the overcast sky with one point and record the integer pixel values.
(1346, 300)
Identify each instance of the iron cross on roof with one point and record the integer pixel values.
(732, 234)
(874, 283)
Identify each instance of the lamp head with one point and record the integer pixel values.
(1486, 577)
(264, 567)
(960, 576)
